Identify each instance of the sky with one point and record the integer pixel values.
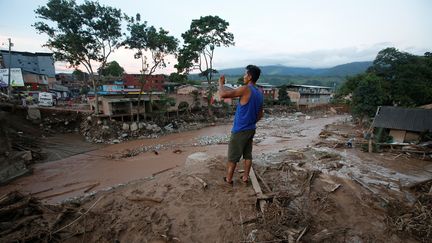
(308, 33)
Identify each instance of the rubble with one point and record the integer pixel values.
(18, 146)
(25, 218)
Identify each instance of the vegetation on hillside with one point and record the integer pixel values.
(396, 79)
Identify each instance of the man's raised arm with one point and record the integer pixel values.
(229, 93)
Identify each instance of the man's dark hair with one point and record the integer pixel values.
(254, 72)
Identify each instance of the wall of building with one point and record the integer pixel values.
(186, 90)
(42, 63)
(314, 99)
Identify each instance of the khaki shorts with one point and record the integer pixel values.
(240, 144)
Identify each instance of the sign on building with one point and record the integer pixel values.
(16, 77)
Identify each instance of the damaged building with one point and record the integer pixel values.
(405, 125)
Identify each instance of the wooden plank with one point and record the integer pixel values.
(256, 186)
(267, 187)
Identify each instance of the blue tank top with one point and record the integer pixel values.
(246, 115)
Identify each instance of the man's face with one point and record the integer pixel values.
(246, 78)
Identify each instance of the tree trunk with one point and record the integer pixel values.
(96, 97)
(139, 101)
(209, 98)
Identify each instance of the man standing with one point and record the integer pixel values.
(249, 111)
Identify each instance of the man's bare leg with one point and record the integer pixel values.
(230, 171)
(247, 167)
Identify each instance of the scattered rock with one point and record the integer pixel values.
(169, 127)
(27, 156)
(33, 113)
(134, 126)
(141, 125)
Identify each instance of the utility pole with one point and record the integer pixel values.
(9, 71)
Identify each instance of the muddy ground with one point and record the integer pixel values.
(152, 190)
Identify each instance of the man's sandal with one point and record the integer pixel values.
(244, 181)
(229, 183)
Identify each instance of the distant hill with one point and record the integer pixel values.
(343, 70)
(280, 75)
(348, 69)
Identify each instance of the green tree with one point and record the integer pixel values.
(240, 81)
(367, 96)
(112, 69)
(283, 97)
(80, 34)
(148, 41)
(178, 78)
(405, 79)
(81, 76)
(200, 41)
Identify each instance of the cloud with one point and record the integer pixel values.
(316, 59)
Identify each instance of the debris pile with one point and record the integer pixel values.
(59, 121)
(19, 147)
(341, 135)
(23, 218)
(416, 219)
(112, 131)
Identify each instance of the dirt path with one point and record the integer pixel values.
(97, 169)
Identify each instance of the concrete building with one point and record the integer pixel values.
(309, 95)
(37, 68)
(152, 82)
(269, 91)
(122, 105)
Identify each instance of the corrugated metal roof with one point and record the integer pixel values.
(410, 119)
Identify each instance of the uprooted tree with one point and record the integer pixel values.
(147, 40)
(81, 34)
(200, 41)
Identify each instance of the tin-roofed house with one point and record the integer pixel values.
(405, 124)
